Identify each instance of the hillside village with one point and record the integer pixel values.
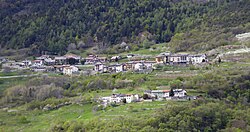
(125, 65)
(70, 64)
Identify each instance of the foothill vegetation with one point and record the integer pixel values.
(224, 104)
(55, 102)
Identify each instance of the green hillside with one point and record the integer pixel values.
(51, 25)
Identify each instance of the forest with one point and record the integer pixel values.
(51, 25)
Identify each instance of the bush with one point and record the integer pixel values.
(23, 120)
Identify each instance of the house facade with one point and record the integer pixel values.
(99, 67)
(37, 63)
(160, 94)
(27, 63)
(160, 59)
(43, 57)
(139, 65)
(180, 93)
(178, 59)
(118, 98)
(196, 59)
(49, 62)
(69, 70)
(60, 60)
(173, 59)
(92, 59)
(115, 68)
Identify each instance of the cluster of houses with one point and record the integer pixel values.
(149, 95)
(137, 66)
(165, 94)
(69, 63)
(147, 66)
(45, 63)
(118, 98)
(173, 59)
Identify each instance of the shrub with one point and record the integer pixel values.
(23, 120)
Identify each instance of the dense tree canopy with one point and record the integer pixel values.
(52, 25)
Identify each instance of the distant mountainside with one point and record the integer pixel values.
(51, 25)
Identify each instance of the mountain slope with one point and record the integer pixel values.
(51, 25)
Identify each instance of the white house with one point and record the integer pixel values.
(139, 66)
(149, 64)
(69, 70)
(114, 58)
(130, 55)
(27, 62)
(131, 97)
(178, 58)
(43, 57)
(119, 68)
(37, 63)
(118, 98)
(180, 93)
(99, 67)
(49, 62)
(166, 93)
(181, 58)
(160, 93)
(196, 59)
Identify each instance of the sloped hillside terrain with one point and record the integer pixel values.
(51, 25)
(218, 27)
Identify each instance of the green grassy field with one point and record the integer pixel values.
(38, 120)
